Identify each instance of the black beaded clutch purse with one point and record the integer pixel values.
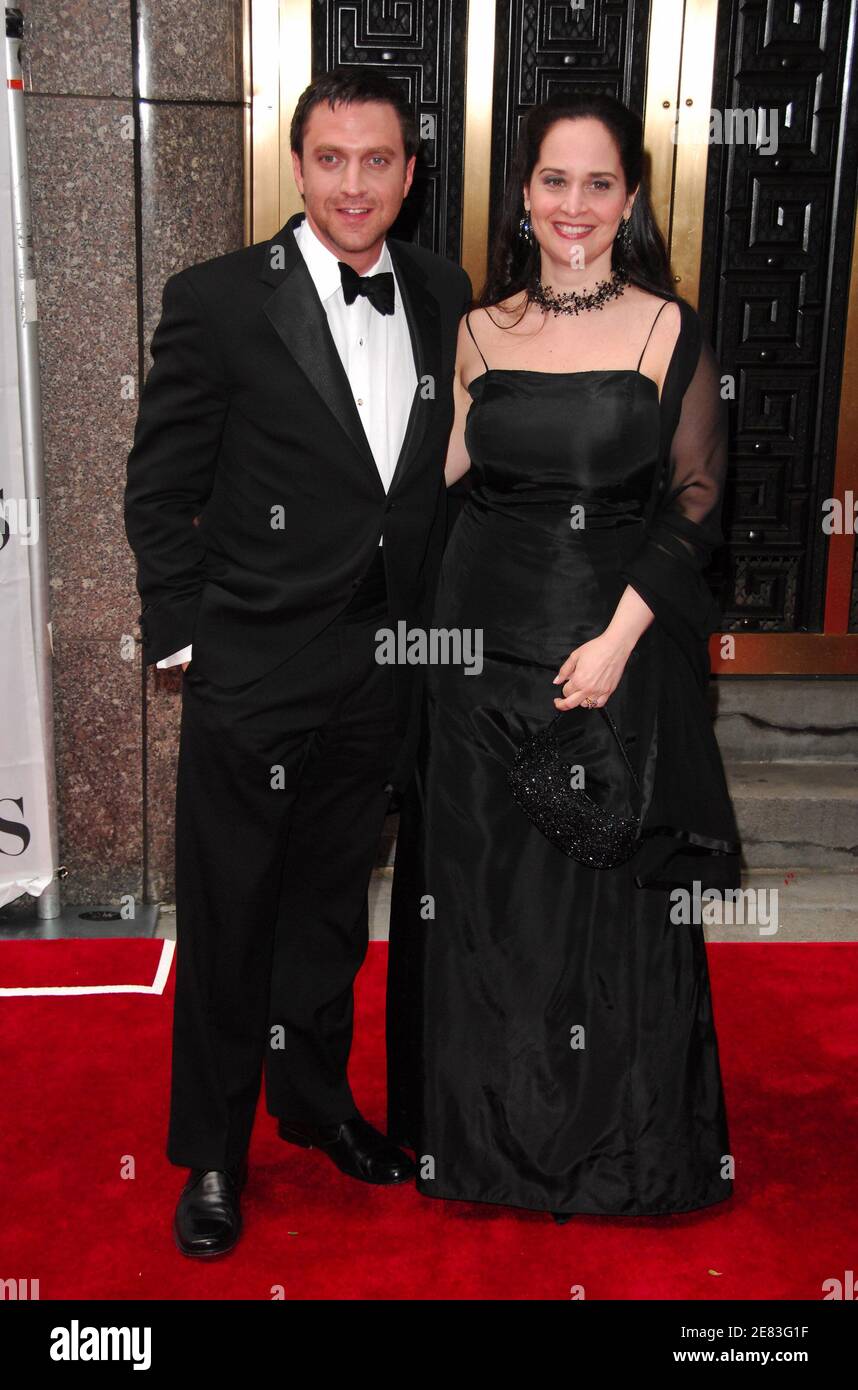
(600, 830)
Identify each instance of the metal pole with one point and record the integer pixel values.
(27, 329)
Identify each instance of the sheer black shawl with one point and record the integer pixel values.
(688, 825)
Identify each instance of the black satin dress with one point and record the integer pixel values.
(550, 1029)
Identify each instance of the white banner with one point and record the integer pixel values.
(25, 840)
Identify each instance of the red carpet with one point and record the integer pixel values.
(85, 1092)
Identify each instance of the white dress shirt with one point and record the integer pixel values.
(376, 353)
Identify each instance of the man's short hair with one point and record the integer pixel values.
(353, 84)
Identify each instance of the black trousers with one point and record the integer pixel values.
(281, 794)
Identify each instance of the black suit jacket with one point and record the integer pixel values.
(246, 409)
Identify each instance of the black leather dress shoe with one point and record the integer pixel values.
(355, 1147)
(208, 1213)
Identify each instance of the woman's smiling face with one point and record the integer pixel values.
(577, 194)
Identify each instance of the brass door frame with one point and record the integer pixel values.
(680, 49)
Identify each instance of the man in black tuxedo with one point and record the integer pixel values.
(285, 501)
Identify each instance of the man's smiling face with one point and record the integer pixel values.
(354, 177)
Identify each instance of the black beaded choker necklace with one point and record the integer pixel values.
(574, 303)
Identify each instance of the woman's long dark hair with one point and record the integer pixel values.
(514, 264)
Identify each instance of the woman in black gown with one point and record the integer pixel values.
(551, 1043)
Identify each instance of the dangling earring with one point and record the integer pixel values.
(624, 236)
(525, 230)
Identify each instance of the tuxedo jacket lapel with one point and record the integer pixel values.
(297, 314)
(421, 312)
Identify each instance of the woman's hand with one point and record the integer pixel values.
(592, 671)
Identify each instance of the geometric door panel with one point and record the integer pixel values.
(774, 292)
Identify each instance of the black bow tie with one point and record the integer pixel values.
(377, 288)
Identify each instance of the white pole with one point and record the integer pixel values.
(27, 329)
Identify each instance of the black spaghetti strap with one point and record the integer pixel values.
(649, 335)
(474, 341)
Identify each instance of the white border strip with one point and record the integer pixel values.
(157, 986)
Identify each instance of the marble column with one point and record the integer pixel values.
(135, 117)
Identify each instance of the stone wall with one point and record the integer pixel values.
(134, 116)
